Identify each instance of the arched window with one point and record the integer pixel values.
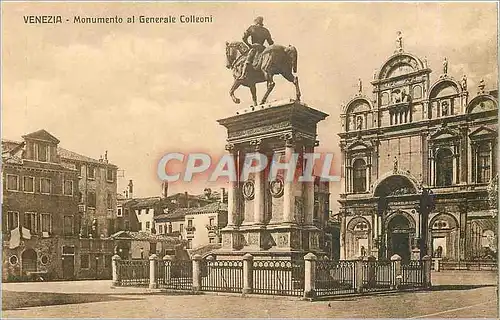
(483, 163)
(444, 168)
(359, 176)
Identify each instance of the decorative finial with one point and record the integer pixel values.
(464, 83)
(399, 42)
(481, 86)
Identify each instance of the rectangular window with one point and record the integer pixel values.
(140, 226)
(181, 227)
(190, 223)
(68, 225)
(127, 225)
(12, 220)
(169, 228)
(90, 172)
(148, 225)
(68, 187)
(160, 229)
(84, 261)
(45, 185)
(212, 221)
(109, 201)
(82, 171)
(29, 184)
(31, 221)
(190, 244)
(138, 212)
(119, 212)
(91, 199)
(110, 175)
(43, 153)
(46, 222)
(12, 182)
(211, 240)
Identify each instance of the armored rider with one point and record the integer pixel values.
(259, 35)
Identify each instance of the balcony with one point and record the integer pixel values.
(212, 229)
(190, 230)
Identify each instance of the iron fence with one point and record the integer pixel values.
(222, 275)
(335, 277)
(133, 272)
(278, 277)
(412, 274)
(377, 275)
(175, 274)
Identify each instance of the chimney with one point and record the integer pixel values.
(222, 194)
(130, 189)
(186, 199)
(164, 189)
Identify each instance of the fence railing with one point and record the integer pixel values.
(222, 275)
(308, 277)
(133, 272)
(175, 274)
(335, 277)
(278, 277)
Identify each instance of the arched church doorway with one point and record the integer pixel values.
(398, 236)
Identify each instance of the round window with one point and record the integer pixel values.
(44, 260)
(13, 260)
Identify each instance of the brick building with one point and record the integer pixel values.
(418, 154)
(40, 214)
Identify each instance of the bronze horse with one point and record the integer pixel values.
(275, 59)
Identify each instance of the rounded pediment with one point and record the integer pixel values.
(444, 87)
(400, 64)
(358, 104)
(482, 103)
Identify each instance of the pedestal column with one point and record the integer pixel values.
(232, 194)
(289, 189)
(260, 189)
(309, 195)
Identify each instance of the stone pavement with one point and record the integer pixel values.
(456, 294)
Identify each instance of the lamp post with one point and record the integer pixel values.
(382, 207)
(427, 205)
(96, 267)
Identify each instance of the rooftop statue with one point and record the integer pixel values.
(254, 63)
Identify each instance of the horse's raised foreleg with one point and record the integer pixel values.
(270, 87)
(253, 90)
(235, 86)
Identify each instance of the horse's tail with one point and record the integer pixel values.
(292, 53)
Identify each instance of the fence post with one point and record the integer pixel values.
(153, 282)
(247, 273)
(310, 275)
(396, 272)
(114, 268)
(426, 261)
(196, 272)
(167, 264)
(371, 271)
(358, 274)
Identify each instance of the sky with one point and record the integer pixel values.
(142, 90)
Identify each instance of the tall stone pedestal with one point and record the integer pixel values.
(272, 218)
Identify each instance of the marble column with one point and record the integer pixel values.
(260, 189)
(308, 195)
(232, 193)
(289, 189)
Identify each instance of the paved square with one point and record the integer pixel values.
(456, 294)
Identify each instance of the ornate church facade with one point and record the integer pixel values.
(417, 159)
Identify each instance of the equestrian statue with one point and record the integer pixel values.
(254, 63)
